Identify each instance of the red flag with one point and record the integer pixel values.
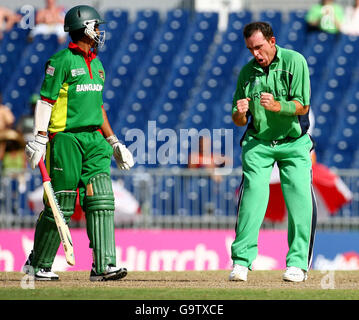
(331, 189)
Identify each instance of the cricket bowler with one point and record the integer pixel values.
(273, 99)
(71, 127)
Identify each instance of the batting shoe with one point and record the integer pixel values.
(239, 273)
(110, 273)
(295, 274)
(43, 274)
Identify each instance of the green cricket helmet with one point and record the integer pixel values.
(85, 17)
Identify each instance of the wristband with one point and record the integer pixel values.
(41, 139)
(287, 108)
(112, 140)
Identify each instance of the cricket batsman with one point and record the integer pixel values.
(72, 129)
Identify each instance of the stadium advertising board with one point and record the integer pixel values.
(178, 250)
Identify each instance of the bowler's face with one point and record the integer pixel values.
(262, 49)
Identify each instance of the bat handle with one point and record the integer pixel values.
(44, 174)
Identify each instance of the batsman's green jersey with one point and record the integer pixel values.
(78, 157)
(275, 137)
(74, 85)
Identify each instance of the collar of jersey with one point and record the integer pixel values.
(274, 62)
(88, 56)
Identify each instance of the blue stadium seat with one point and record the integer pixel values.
(115, 27)
(340, 154)
(274, 18)
(29, 73)
(127, 59)
(293, 31)
(318, 50)
(185, 68)
(238, 19)
(149, 81)
(297, 15)
(203, 108)
(12, 48)
(325, 122)
(346, 52)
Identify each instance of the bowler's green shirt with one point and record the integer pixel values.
(287, 79)
(74, 83)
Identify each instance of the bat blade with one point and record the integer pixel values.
(62, 227)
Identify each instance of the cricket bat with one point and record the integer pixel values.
(62, 227)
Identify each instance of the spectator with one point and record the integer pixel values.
(204, 158)
(25, 124)
(7, 119)
(7, 20)
(326, 16)
(50, 20)
(14, 160)
(12, 155)
(350, 25)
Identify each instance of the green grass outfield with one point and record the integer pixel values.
(186, 285)
(176, 294)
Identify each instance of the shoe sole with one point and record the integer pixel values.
(294, 280)
(37, 278)
(110, 277)
(237, 279)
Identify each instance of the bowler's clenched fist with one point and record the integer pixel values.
(243, 105)
(268, 102)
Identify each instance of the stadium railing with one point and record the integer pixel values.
(171, 198)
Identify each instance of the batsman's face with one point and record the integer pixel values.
(263, 50)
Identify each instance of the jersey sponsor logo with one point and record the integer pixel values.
(276, 94)
(50, 70)
(88, 87)
(78, 72)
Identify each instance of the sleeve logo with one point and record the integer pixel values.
(50, 70)
(101, 74)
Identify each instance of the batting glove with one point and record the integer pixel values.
(123, 156)
(35, 150)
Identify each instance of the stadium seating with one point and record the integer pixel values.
(180, 71)
(127, 59)
(293, 33)
(28, 73)
(11, 49)
(150, 79)
(274, 18)
(115, 27)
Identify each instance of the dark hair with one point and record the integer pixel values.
(253, 27)
(77, 35)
